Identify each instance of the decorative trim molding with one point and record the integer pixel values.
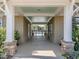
(76, 10)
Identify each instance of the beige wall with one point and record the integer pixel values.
(21, 24)
(57, 29)
(19, 27)
(26, 29)
(51, 30)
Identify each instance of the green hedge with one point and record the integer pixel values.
(2, 39)
(75, 35)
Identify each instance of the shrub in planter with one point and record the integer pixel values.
(75, 35)
(71, 55)
(2, 36)
(2, 39)
(17, 36)
(76, 39)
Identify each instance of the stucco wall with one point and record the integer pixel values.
(58, 28)
(19, 26)
(51, 30)
(26, 29)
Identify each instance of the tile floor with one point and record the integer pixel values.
(38, 48)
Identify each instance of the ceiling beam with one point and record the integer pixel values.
(3, 4)
(28, 19)
(49, 19)
(40, 3)
(2, 9)
(39, 22)
(56, 12)
(22, 13)
(39, 14)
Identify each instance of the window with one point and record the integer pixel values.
(0, 22)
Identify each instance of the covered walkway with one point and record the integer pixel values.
(38, 48)
(21, 14)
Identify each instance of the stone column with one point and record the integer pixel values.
(10, 43)
(67, 43)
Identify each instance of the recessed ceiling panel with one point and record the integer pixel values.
(38, 9)
(39, 19)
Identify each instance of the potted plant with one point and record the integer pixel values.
(17, 37)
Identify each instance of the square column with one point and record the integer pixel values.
(67, 43)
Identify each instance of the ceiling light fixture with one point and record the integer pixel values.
(38, 9)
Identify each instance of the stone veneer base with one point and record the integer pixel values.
(67, 46)
(10, 48)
